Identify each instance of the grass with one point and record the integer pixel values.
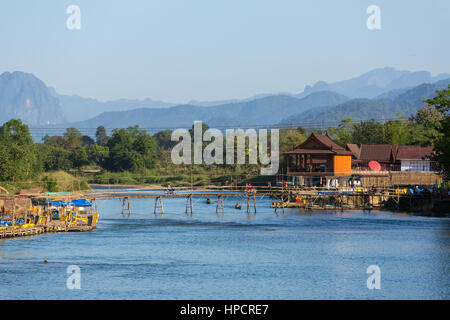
(57, 181)
(181, 176)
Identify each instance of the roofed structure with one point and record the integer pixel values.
(317, 156)
(354, 149)
(392, 157)
(414, 153)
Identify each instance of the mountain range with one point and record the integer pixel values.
(375, 83)
(382, 92)
(263, 111)
(386, 106)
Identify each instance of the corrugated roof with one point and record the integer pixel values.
(354, 148)
(376, 152)
(329, 142)
(389, 152)
(413, 152)
(325, 145)
(309, 151)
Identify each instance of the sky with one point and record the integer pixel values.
(182, 50)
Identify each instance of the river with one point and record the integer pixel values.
(295, 255)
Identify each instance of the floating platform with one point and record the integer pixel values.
(16, 231)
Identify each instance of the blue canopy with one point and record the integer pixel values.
(75, 203)
(80, 203)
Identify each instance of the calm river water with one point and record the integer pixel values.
(323, 255)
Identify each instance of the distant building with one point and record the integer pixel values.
(320, 161)
(415, 159)
(395, 158)
(384, 154)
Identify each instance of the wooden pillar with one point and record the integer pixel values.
(14, 211)
(248, 204)
(287, 164)
(187, 204)
(218, 202)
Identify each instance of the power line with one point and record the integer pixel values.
(42, 131)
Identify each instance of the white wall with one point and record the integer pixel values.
(415, 165)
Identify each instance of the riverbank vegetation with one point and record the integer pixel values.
(132, 156)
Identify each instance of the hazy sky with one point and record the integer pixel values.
(178, 50)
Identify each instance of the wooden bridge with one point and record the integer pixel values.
(307, 198)
(311, 198)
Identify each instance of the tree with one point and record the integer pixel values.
(290, 138)
(426, 123)
(72, 138)
(343, 134)
(53, 158)
(98, 154)
(86, 141)
(163, 139)
(442, 143)
(101, 136)
(131, 149)
(18, 159)
(397, 131)
(79, 157)
(368, 132)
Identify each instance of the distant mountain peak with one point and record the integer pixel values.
(375, 82)
(24, 96)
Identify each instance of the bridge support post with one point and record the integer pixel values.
(219, 203)
(161, 203)
(248, 204)
(189, 204)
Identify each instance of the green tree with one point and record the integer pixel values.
(442, 144)
(290, 138)
(79, 157)
(16, 151)
(163, 139)
(398, 131)
(343, 134)
(53, 158)
(87, 141)
(98, 154)
(101, 136)
(131, 149)
(72, 138)
(368, 132)
(425, 125)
